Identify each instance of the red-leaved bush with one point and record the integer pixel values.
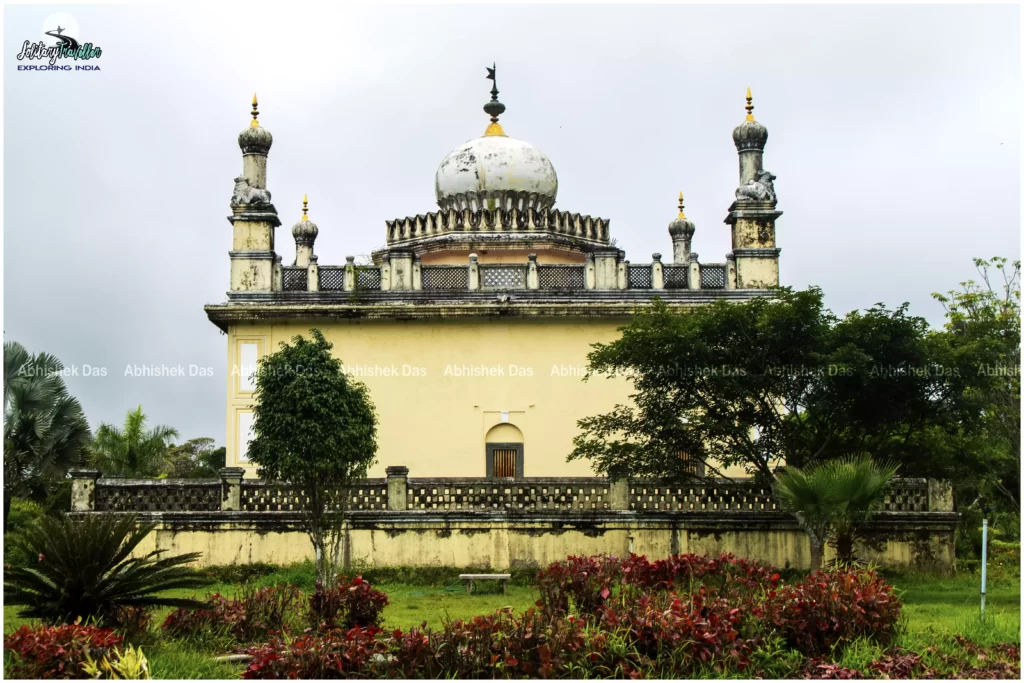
(831, 608)
(587, 582)
(336, 654)
(55, 651)
(255, 615)
(350, 604)
(676, 635)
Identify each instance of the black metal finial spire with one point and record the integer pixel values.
(494, 107)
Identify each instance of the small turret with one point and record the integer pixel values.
(750, 138)
(681, 230)
(255, 142)
(304, 232)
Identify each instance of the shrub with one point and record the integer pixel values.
(257, 614)
(240, 573)
(587, 582)
(832, 608)
(132, 621)
(81, 567)
(583, 582)
(338, 654)
(55, 651)
(349, 604)
(679, 635)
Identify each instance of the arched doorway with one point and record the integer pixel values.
(504, 452)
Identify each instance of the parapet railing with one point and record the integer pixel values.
(601, 270)
(397, 492)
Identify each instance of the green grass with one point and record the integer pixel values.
(935, 608)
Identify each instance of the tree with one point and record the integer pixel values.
(316, 429)
(754, 384)
(132, 450)
(832, 498)
(982, 339)
(196, 458)
(45, 430)
(80, 567)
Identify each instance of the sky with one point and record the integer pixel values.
(894, 132)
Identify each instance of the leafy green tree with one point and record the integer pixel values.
(45, 430)
(758, 383)
(196, 458)
(81, 567)
(133, 450)
(831, 498)
(982, 341)
(316, 429)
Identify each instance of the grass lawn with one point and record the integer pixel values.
(935, 608)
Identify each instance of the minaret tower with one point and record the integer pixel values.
(252, 215)
(681, 230)
(752, 216)
(304, 232)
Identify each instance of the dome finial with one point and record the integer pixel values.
(305, 202)
(750, 105)
(681, 214)
(494, 107)
(255, 112)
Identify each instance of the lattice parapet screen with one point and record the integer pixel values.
(907, 495)
(525, 495)
(332, 278)
(158, 496)
(445, 277)
(294, 279)
(712, 276)
(640, 277)
(654, 496)
(675, 276)
(258, 496)
(560, 277)
(503, 277)
(368, 277)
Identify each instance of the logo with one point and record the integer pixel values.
(60, 43)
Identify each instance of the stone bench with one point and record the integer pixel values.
(468, 579)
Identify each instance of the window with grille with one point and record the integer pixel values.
(691, 465)
(505, 460)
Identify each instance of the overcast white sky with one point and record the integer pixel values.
(894, 133)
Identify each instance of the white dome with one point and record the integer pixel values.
(496, 171)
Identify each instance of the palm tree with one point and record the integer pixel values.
(45, 430)
(85, 568)
(830, 499)
(132, 450)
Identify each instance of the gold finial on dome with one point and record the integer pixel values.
(750, 105)
(494, 107)
(305, 203)
(681, 214)
(255, 112)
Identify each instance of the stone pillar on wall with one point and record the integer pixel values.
(657, 272)
(83, 489)
(417, 272)
(589, 276)
(401, 270)
(231, 488)
(606, 269)
(313, 275)
(474, 272)
(398, 487)
(940, 496)
(350, 273)
(693, 276)
(532, 278)
(618, 493)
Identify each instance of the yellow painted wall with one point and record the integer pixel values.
(435, 421)
(499, 545)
